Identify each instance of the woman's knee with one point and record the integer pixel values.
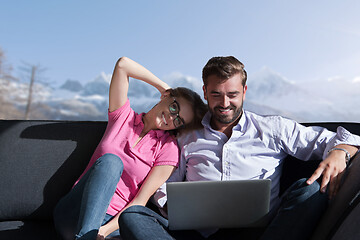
(130, 216)
(135, 209)
(134, 213)
(141, 215)
(142, 222)
(112, 164)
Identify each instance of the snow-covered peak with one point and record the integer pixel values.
(103, 77)
(72, 85)
(267, 83)
(98, 86)
(177, 79)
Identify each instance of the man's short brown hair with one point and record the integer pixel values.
(224, 68)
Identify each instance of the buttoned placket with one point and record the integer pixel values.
(226, 164)
(227, 152)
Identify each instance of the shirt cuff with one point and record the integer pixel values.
(342, 136)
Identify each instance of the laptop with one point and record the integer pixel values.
(218, 204)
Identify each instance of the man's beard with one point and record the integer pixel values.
(224, 119)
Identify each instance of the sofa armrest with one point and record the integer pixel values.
(346, 200)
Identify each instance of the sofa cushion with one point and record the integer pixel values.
(349, 228)
(19, 230)
(40, 161)
(29, 230)
(341, 208)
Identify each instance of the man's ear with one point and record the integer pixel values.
(204, 90)
(245, 89)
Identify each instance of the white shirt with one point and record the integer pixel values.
(256, 150)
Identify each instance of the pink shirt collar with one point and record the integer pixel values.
(138, 122)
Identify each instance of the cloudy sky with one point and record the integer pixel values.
(307, 42)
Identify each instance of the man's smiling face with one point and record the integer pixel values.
(225, 99)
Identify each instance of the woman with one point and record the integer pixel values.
(136, 155)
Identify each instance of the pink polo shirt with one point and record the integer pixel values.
(156, 148)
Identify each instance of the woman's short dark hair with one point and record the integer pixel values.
(224, 68)
(197, 105)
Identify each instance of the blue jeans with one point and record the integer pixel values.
(301, 208)
(81, 212)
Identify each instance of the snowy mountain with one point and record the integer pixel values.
(306, 102)
(72, 86)
(268, 93)
(89, 101)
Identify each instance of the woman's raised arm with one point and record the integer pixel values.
(119, 86)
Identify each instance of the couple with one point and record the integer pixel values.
(251, 145)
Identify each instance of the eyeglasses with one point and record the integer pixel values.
(174, 109)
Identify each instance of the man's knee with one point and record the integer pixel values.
(301, 187)
(300, 192)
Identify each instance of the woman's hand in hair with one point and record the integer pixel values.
(126, 68)
(165, 93)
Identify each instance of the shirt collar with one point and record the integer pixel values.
(206, 120)
(138, 119)
(239, 126)
(139, 123)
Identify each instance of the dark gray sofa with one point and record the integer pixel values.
(40, 161)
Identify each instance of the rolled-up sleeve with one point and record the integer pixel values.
(312, 142)
(342, 136)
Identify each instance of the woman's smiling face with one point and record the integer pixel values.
(173, 113)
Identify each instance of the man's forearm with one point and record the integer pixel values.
(346, 149)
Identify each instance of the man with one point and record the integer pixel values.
(237, 144)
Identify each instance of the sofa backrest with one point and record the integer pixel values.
(41, 160)
(39, 163)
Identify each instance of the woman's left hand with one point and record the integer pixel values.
(103, 232)
(100, 237)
